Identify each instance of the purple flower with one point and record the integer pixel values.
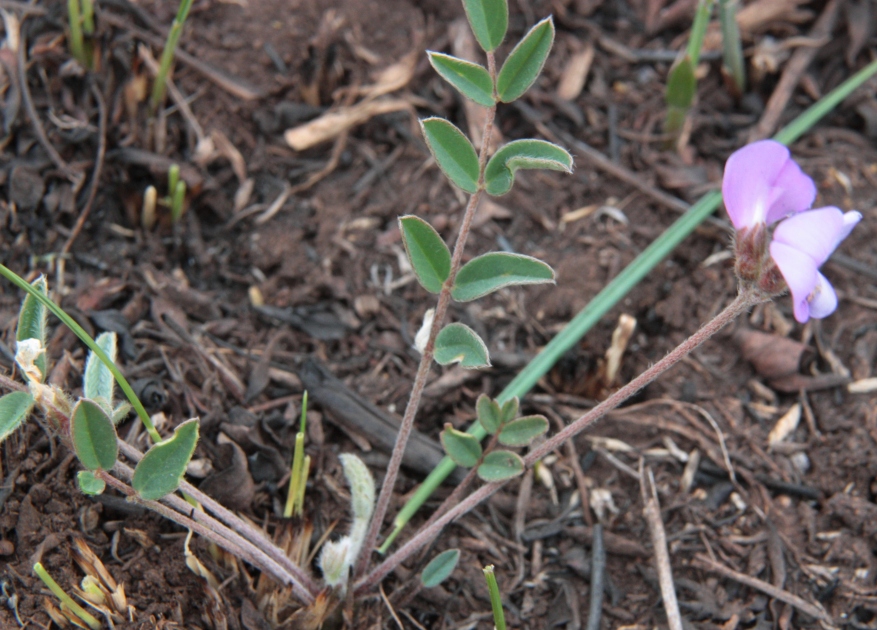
(800, 245)
(762, 184)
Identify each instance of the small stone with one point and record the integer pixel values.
(366, 306)
(7, 548)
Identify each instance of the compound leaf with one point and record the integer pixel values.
(427, 252)
(490, 272)
(489, 20)
(457, 343)
(525, 62)
(463, 448)
(472, 80)
(93, 435)
(14, 409)
(439, 568)
(499, 175)
(453, 152)
(161, 469)
(522, 431)
(500, 465)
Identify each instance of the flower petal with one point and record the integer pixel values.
(796, 192)
(800, 273)
(851, 219)
(816, 233)
(749, 174)
(762, 184)
(823, 299)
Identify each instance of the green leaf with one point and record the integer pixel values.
(488, 413)
(500, 465)
(509, 410)
(525, 62)
(93, 435)
(522, 431)
(457, 343)
(681, 84)
(439, 568)
(89, 484)
(472, 80)
(161, 469)
(98, 381)
(427, 252)
(453, 152)
(14, 409)
(499, 175)
(32, 321)
(463, 448)
(489, 20)
(489, 272)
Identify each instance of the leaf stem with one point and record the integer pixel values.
(741, 303)
(426, 359)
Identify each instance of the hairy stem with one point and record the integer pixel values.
(206, 526)
(441, 309)
(743, 302)
(247, 532)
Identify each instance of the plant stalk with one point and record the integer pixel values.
(426, 359)
(239, 526)
(741, 303)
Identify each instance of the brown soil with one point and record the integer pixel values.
(800, 516)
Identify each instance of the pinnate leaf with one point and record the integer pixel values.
(88, 483)
(472, 80)
(500, 465)
(463, 448)
(93, 435)
(440, 567)
(499, 175)
(522, 431)
(488, 413)
(525, 62)
(489, 20)
(32, 321)
(98, 381)
(427, 252)
(457, 343)
(490, 272)
(14, 409)
(161, 469)
(453, 152)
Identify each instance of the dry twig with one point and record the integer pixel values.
(652, 513)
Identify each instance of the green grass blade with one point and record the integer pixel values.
(618, 288)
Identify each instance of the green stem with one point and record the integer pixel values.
(698, 29)
(74, 17)
(732, 48)
(21, 283)
(495, 598)
(619, 287)
(167, 55)
(66, 600)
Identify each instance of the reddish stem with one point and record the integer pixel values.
(441, 309)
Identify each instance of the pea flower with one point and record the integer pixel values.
(763, 185)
